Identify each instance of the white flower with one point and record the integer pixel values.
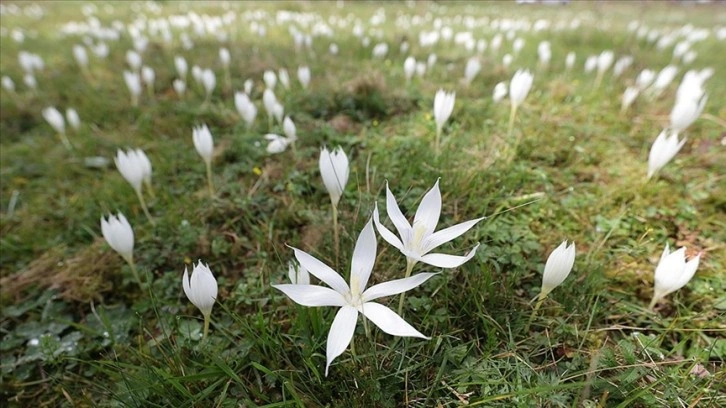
(685, 112)
(288, 126)
(224, 57)
(203, 142)
(431, 60)
(181, 67)
(570, 60)
(81, 56)
(500, 92)
(73, 119)
(248, 86)
(590, 63)
(148, 76)
(133, 59)
(519, 86)
(621, 65)
(473, 66)
(278, 111)
(8, 83)
(284, 78)
(604, 61)
(303, 75)
(131, 168)
(507, 60)
(672, 273)
(354, 298)
(133, 83)
(558, 267)
(120, 236)
(30, 81)
(209, 81)
(55, 119)
(629, 96)
(663, 150)
(443, 106)
(334, 169)
(277, 144)
(269, 101)
(200, 288)
(270, 79)
(245, 107)
(409, 67)
(644, 79)
(297, 274)
(197, 74)
(417, 241)
(518, 45)
(664, 78)
(544, 53)
(179, 86)
(143, 161)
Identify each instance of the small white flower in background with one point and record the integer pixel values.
(55, 119)
(691, 86)
(621, 65)
(181, 67)
(81, 56)
(334, 169)
(133, 83)
(288, 126)
(303, 75)
(672, 273)
(518, 45)
(245, 108)
(604, 61)
(284, 78)
(558, 267)
(443, 106)
(224, 57)
(519, 86)
(645, 79)
(201, 289)
(270, 79)
(203, 142)
(269, 100)
(119, 235)
(73, 119)
(297, 274)
(404, 47)
(420, 69)
(197, 74)
(544, 53)
(507, 60)
(148, 77)
(143, 161)
(131, 168)
(570, 60)
(417, 240)
(473, 66)
(685, 112)
(100, 50)
(353, 298)
(689, 57)
(276, 143)
(248, 85)
(409, 67)
(500, 92)
(209, 80)
(333, 49)
(278, 112)
(629, 96)
(431, 60)
(8, 84)
(134, 60)
(664, 78)
(380, 50)
(30, 81)
(590, 63)
(179, 87)
(663, 150)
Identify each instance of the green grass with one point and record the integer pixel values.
(579, 174)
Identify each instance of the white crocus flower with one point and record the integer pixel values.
(56, 121)
(179, 87)
(629, 96)
(443, 106)
(135, 168)
(570, 60)
(672, 273)
(201, 289)
(269, 101)
(519, 87)
(473, 66)
(73, 119)
(558, 267)
(181, 67)
(409, 68)
(119, 235)
(354, 298)
(81, 56)
(148, 76)
(133, 83)
(288, 126)
(245, 108)
(209, 81)
(284, 78)
(303, 75)
(645, 79)
(8, 84)
(276, 143)
(248, 86)
(203, 142)
(134, 60)
(270, 79)
(663, 150)
(334, 168)
(418, 240)
(685, 112)
(500, 92)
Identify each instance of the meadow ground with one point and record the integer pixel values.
(77, 330)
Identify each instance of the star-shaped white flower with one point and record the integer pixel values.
(418, 240)
(353, 298)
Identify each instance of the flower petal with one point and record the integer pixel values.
(341, 332)
(388, 321)
(396, 216)
(321, 271)
(311, 295)
(448, 261)
(448, 234)
(364, 256)
(395, 287)
(384, 232)
(429, 210)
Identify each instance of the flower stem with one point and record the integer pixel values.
(65, 141)
(209, 179)
(134, 271)
(437, 141)
(540, 300)
(512, 115)
(134, 100)
(409, 268)
(336, 238)
(652, 303)
(143, 206)
(206, 326)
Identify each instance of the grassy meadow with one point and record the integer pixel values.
(78, 331)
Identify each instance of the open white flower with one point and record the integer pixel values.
(276, 143)
(354, 298)
(663, 150)
(558, 267)
(672, 273)
(417, 241)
